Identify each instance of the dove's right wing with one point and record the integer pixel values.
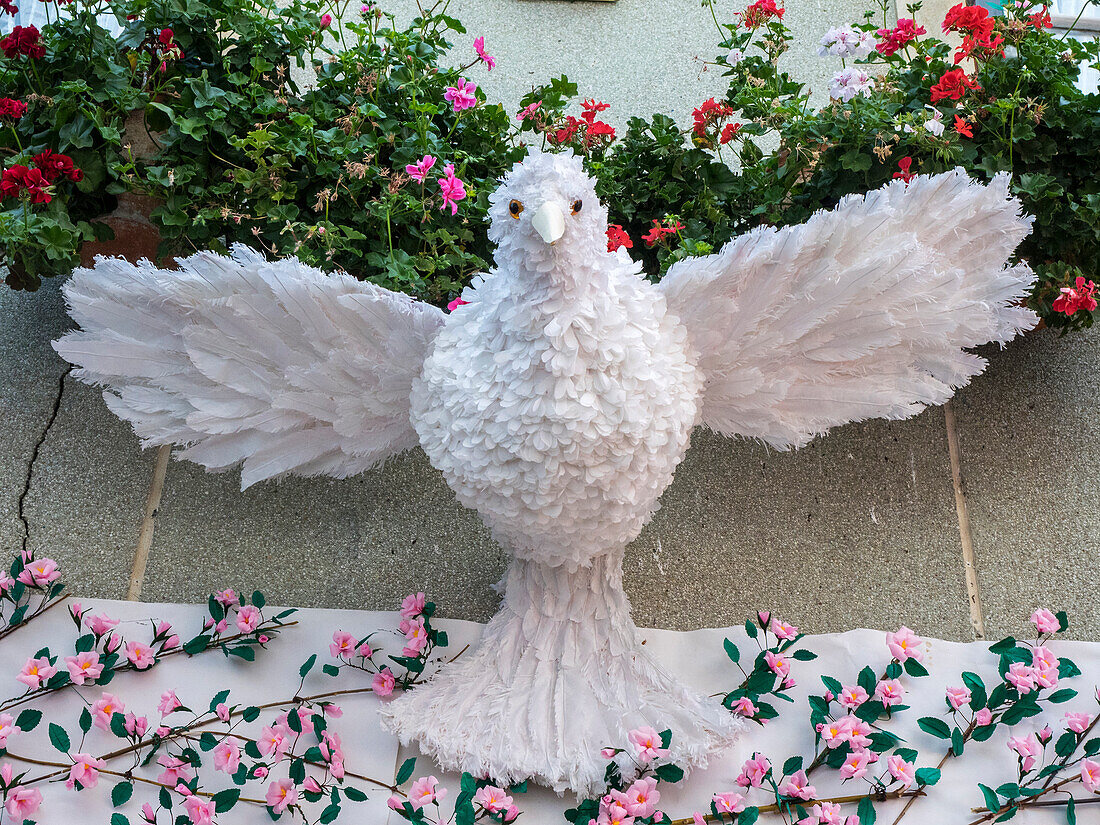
(269, 363)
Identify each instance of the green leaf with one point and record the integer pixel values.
(58, 738)
(1063, 695)
(915, 668)
(804, 655)
(28, 719)
(219, 699)
(1071, 812)
(666, 738)
(669, 773)
(250, 714)
(1066, 743)
(258, 599)
(1003, 646)
(992, 802)
(224, 800)
(832, 685)
(732, 651)
(330, 813)
(957, 742)
(307, 666)
(407, 768)
(208, 741)
(119, 819)
(121, 793)
(867, 680)
(1011, 812)
(792, 765)
(866, 811)
(748, 816)
(927, 776)
(118, 725)
(1063, 620)
(750, 628)
(354, 794)
(330, 670)
(85, 720)
(936, 727)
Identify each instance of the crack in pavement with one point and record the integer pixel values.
(34, 458)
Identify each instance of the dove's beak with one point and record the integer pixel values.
(549, 222)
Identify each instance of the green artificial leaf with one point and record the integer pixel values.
(121, 793)
(208, 741)
(992, 802)
(1071, 812)
(867, 680)
(1011, 812)
(250, 714)
(669, 773)
(354, 794)
(58, 738)
(258, 599)
(750, 628)
(957, 742)
(866, 811)
(732, 651)
(1066, 743)
(832, 685)
(225, 800)
(915, 668)
(804, 655)
(927, 776)
(330, 670)
(218, 699)
(935, 727)
(119, 819)
(330, 813)
(792, 765)
(28, 719)
(1063, 621)
(118, 725)
(748, 816)
(1063, 695)
(666, 738)
(1003, 646)
(407, 768)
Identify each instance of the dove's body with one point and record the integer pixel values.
(559, 406)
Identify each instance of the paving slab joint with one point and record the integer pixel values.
(29, 477)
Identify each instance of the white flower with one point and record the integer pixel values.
(735, 56)
(837, 42)
(849, 82)
(865, 44)
(935, 123)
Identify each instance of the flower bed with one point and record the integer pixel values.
(211, 754)
(384, 165)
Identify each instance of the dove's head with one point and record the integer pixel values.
(545, 212)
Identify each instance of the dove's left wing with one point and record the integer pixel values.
(862, 312)
(272, 364)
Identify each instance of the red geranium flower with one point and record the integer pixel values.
(728, 132)
(617, 237)
(904, 165)
(1082, 295)
(11, 109)
(54, 166)
(18, 180)
(9, 7)
(905, 32)
(660, 231)
(953, 85)
(963, 128)
(23, 40)
(760, 13)
(1040, 20)
(708, 114)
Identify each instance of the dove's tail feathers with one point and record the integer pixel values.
(272, 364)
(864, 311)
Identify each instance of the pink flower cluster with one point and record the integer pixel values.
(20, 803)
(1041, 673)
(639, 801)
(647, 744)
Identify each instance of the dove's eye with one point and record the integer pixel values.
(577, 206)
(514, 208)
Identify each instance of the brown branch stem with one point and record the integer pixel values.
(838, 800)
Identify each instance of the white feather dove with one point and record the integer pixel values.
(557, 402)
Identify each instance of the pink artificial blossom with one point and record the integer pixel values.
(1045, 621)
(777, 664)
(84, 667)
(983, 717)
(904, 772)
(958, 696)
(343, 645)
(23, 803)
(413, 604)
(753, 771)
(856, 764)
(141, 656)
(39, 573)
(198, 811)
(642, 797)
(1028, 748)
(425, 791)
(462, 95)
(1090, 775)
(104, 708)
(168, 703)
(798, 787)
(729, 802)
(905, 644)
(36, 672)
(226, 597)
(492, 799)
(383, 682)
(1021, 677)
(417, 171)
(647, 744)
(100, 624)
(148, 814)
(853, 696)
(782, 630)
(227, 757)
(1043, 658)
(222, 710)
(135, 725)
(85, 771)
(311, 785)
(281, 794)
(890, 692)
(248, 618)
(744, 707)
(7, 728)
(1078, 722)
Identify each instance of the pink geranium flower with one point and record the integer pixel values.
(36, 672)
(487, 59)
(462, 95)
(452, 189)
(418, 171)
(281, 794)
(647, 743)
(85, 771)
(528, 111)
(455, 304)
(84, 667)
